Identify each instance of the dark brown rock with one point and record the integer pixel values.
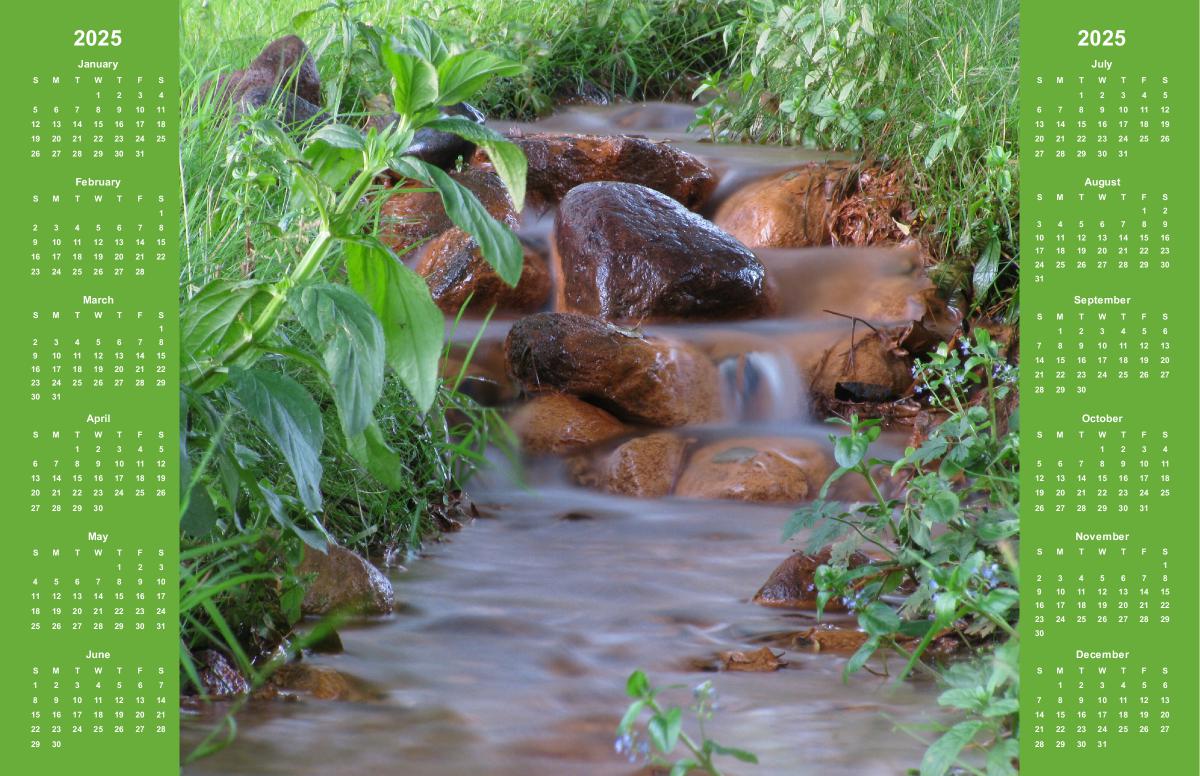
(792, 586)
(218, 677)
(559, 163)
(761, 469)
(413, 214)
(788, 210)
(343, 582)
(453, 266)
(441, 149)
(627, 252)
(643, 379)
(321, 683)
(284, 72)
(558, 423)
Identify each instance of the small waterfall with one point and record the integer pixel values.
(763, 386)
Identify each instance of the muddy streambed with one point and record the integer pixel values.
(511, 641)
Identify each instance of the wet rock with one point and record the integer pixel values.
(559, 163)
(558, 423)
(764, 469)
(643, 467)
(453, 266)
(788, 210)
(284, 73)
(845, 641)
(218, 677)
(651, 380)
(441, 149)
(792, 586)
(627, 252)
(321, 683)
(760, 660)
(412, 215)
(865, 367)
(344, 582)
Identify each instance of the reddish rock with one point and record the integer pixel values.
(559, 163)
(788, 210)
(343, 582)
(453, 266)
(558, 423)
(414, 214)
(651, 380)
(763, 469)
(643, 467)
(866, 368)
(321, 683)
(627, 252)
(791, 585)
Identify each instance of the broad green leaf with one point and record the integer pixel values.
(860, 657)
(425, 41)
(291, 419)
(941, 506)
(1000, 758)
(849, 450)
(370, 448)
(941, 754)
(999, 601)
(318, 540)
(683, 767)
(201, 514)
(507, 157)
(987, 267)
(501, 248)
(631, 716)
(206, 320)
(340, 136)
(414, 80)
(637, 686)
(879, 619)
(664, 729)
(461, 75)
(353, 344)
(412, 324)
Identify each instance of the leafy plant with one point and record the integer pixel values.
(949, 567)
(664, 729)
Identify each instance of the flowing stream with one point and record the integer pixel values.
(511, 641)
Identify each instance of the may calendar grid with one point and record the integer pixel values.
(1109, 395)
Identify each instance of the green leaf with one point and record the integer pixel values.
(941, 506)
(631, 715)
(353, 343)
(809, 515)
(414, 80)
(425, 41)
(206, 320)
(987, 267)
(683, 767)
(1000, 758)
(201, 514)
(291, 419)
(664, 729)
(340, 136)
(860, 657)
(461, 75)
(637, 686)
(729, 751)
(501, 248)
(879, 619)
(507, 157)
(318, 540)
(849, 450)
(412, 324)
(999, 601)
(370, 448)
(941, 755)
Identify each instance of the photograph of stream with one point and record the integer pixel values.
(599, 387)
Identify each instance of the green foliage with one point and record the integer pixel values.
(664, 729)
(927, 84)
(950, 566)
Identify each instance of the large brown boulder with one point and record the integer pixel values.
(558, 423)
(283, 73)
(790, 209)
(455, 270)
(343, 582)
(865, 367)
(559, 163)
(760, 469)
(627, 252)
(643, 467)
(413, 214)
(792, 586)
(651, 380)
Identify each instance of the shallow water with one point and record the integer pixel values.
(512, 640)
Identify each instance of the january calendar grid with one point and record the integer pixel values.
(1105, 303)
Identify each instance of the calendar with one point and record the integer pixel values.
(91, 476)
(395, 387)
(1108, 281)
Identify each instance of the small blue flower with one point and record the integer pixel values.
(933, 584)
